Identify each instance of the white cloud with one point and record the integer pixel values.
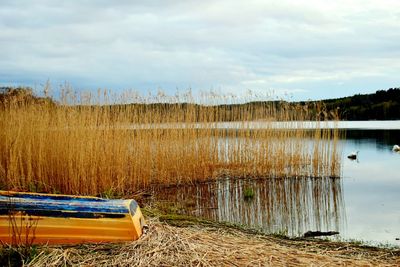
(234, 45)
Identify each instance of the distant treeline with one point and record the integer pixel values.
(21, 95)
(381, 105)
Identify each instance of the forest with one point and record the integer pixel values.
(381, 105)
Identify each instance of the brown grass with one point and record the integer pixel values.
(90, 144)
(165, 245)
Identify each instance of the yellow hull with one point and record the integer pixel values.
(28, 218)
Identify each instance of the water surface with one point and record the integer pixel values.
(364, 204)
(359, 125)
(371, 186)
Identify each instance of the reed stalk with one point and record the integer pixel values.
(90, 144)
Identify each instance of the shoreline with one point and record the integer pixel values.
(180, 240)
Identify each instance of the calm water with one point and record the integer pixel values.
(364, 204)
(374, 125)
(371, 186)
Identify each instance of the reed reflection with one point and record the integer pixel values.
(289, 206)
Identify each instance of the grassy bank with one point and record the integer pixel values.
(174, 240)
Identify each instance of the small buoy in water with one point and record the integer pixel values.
(353, 155)
(396, 148)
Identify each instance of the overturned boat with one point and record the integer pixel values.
(30, 218)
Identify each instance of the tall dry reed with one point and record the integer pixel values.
(87, 144)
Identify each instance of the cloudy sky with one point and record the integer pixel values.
(308, 49)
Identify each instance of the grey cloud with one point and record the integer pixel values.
(203, 44)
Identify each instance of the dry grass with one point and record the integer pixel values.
(83, 146)
(165, 245)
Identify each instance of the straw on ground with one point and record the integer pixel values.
(166, 245)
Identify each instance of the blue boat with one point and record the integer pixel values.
(63, 219)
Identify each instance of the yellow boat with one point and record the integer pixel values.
(30, 218)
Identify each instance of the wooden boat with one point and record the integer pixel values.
(30, 218)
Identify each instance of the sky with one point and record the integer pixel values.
(303, 49)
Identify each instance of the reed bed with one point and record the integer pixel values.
(165, 245)
(116, 145)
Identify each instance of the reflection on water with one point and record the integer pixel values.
(382, 139)
(369, 187)
(289, 206)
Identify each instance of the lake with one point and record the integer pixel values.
(363, 204)
(345, 125)
(371, 186)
